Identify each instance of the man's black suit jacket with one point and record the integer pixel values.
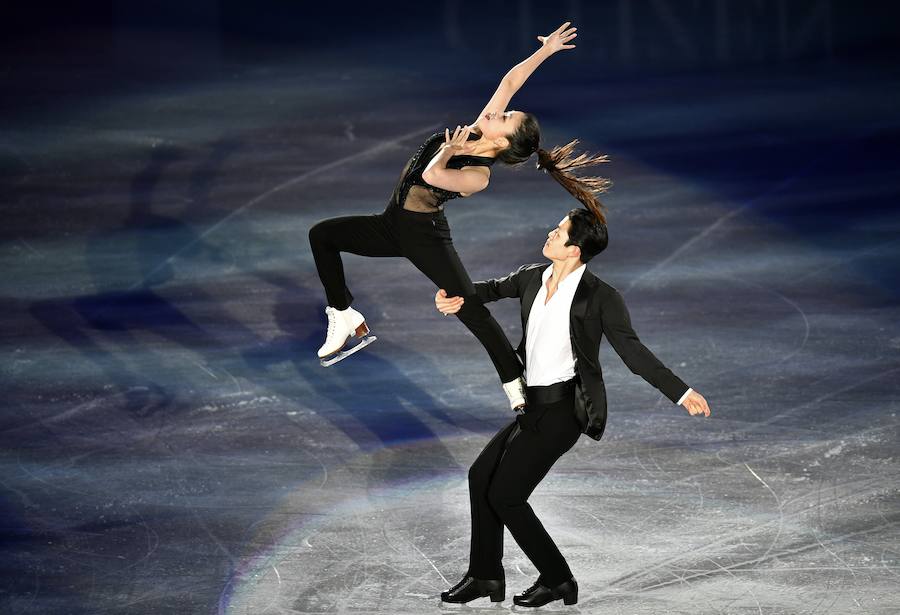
(597, 308)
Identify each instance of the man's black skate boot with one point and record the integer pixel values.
(539, 595)
(470, 588)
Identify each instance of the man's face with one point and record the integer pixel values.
(555, 247)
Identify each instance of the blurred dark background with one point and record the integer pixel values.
(781, 86)
(110, 44)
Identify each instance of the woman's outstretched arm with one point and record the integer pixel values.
(519, 74)
(469, 181)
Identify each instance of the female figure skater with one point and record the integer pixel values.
(414, 226)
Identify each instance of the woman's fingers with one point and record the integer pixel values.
(558, 37)
(460, 135)
(455, 139)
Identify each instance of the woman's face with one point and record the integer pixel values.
(495, 125)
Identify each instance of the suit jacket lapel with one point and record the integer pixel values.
(531, 291)
(581, 298)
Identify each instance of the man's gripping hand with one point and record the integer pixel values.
(447, 305)
(696, 404)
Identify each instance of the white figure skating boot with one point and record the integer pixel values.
(343, 325)
(515, 391)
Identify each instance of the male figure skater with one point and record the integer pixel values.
(565, 312)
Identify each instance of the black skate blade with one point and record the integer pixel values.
(346, 352)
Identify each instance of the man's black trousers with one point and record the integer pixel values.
(502, 478)
(424, 239)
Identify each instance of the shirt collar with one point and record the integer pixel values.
(570, 280)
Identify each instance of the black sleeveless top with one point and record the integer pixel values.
(414, 193)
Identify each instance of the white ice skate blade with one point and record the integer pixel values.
(343, 354)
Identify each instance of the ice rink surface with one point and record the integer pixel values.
(170, 444)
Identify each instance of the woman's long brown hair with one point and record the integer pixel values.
(559, 163)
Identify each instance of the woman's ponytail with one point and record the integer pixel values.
(559, 163)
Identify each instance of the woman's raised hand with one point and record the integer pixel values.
(459, 142)
(558, 38)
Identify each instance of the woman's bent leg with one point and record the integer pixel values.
(362, 235)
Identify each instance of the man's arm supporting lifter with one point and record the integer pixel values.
(500, 288)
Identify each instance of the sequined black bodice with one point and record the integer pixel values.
(414, 193)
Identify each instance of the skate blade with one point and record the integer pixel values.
(343, 354)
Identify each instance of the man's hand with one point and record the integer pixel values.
(447, 305)
(696, 404)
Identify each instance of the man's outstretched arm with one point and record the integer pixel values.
(639, 359)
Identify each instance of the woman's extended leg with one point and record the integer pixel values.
(362, 235)
(441, 263)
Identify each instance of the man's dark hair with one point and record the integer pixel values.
(587, 232)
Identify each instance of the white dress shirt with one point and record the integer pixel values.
(548, 349)
(548, 346)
